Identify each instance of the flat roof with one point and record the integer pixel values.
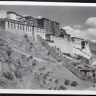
(11, 20)
(76, 38)
(48, 20)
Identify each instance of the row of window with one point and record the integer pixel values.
(19, 26)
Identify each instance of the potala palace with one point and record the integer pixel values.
(48, 30)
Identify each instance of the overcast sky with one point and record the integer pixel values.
(78, 21)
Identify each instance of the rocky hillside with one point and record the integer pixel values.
(26, 64)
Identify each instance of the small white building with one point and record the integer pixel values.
(81, 47)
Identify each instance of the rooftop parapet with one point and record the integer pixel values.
(78, 39)
(49, 20)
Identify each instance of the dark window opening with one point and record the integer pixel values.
(62, 34)
(8, 24)
(47, 36)
(14, 26)
(23, 27)
(11, 25)
(82, 44)
(18, 26)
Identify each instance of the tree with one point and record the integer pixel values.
(67, 82)
(74, 83)
(61, 87)
(8, 75)
(34, 63)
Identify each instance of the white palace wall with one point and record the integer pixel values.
(63, 44)
(67, 46)
(76, 43)
(81, 53)
(40, 32)
(17, 28)
(23, 29)
(87, 50)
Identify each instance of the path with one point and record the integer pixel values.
(23, 52)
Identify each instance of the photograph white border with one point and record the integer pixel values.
(31, 91)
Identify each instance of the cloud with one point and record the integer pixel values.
(77, 26)
(89, 33)
(91, 22)
(74, 32)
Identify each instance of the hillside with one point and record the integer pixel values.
(26, 64)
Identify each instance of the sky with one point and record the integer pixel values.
(77, 21)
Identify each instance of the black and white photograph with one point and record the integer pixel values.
(45, 47)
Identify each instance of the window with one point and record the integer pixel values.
(47, 36)
(26, 28)
(83, 44)
(11, 25)
(30, 28)
(18, 26)
(23, 27)
(8, 24)
(14, 26)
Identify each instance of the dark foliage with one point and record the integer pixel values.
(67, 82)
(74, 83)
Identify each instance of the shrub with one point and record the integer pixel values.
(3, 83)
(31, 44)
(56, 81)
(31, 57)
(74, 83)
(87, 61)
(55, 88)
(67, 82)
(61, 87)
(18, 74)
(8, 52)
(23, 56)
(48, 53)
(25, 36)
(8, 75)
(1, 44)
(34, 63)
